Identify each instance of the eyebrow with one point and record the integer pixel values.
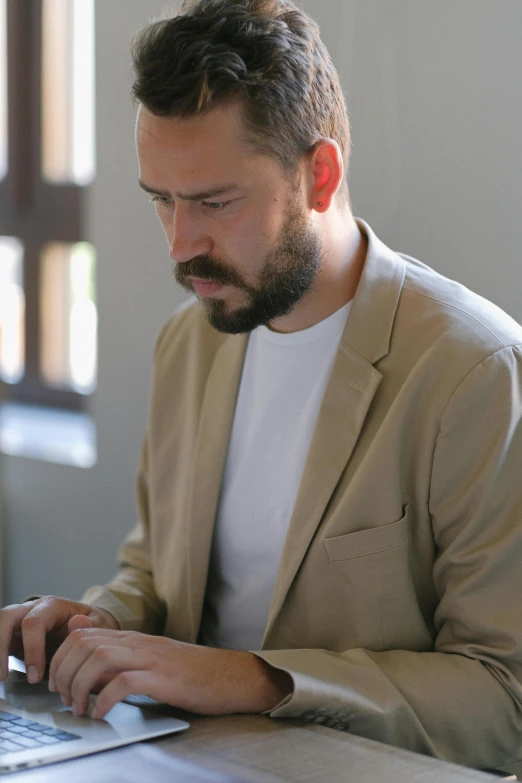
(203, 195)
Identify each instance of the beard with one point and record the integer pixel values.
(287, 275)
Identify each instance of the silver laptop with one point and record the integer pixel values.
(36, 729)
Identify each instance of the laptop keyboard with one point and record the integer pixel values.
(21, 734)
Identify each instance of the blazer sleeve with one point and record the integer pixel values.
(463, 700)
(131, 596)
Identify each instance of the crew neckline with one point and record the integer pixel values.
(329, 326)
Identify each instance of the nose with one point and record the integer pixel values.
(186, 236)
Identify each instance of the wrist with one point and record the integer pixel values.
(273, 685)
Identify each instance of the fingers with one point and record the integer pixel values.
(31, 625)
(10, 620)
(121, 686)
(97, 618)
(76, 623)
(68, 661)
(81, 642)
(101, 618)
(88, 660)
(44, 616)
(79, 621)
(103, 665)
(79, 638)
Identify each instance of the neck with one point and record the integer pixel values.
(344, 254)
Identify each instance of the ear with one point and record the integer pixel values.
(326, 173)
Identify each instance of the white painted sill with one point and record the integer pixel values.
(47, 434)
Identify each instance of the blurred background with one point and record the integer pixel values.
(433, 92)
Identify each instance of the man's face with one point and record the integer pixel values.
(235, 222)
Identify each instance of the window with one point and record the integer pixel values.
(47, 268)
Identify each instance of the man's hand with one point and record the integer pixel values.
(34, 630)
(204, 680)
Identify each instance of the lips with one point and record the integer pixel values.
(204, 288)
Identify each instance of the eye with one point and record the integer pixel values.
(215, 206)
(164, 200)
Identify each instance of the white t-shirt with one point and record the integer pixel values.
(282, 386)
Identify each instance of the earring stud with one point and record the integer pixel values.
(319, 203)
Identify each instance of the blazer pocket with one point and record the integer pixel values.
(362, 543)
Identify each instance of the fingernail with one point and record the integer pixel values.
(75, 708)
(94, 713)
(33, 674)
(52, 684)
(65, 702)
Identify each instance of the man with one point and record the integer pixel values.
(331, 470)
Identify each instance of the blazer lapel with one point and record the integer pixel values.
(217, 414)
(350, 390)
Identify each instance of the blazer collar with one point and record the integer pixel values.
(349, 393)
(370, 323)
(215, 425)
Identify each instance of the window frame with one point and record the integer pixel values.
(33, 210)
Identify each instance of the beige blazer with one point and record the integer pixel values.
(398, 603)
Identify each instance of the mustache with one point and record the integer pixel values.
(207, 269)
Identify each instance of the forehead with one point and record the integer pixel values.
(209, 145)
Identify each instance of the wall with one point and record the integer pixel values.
(436, 117)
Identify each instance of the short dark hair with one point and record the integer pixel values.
(266, 55)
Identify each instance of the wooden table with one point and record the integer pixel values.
(255, 749)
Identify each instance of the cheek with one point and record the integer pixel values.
(245, 251)
(253, 237)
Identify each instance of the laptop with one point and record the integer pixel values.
(36, 728)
